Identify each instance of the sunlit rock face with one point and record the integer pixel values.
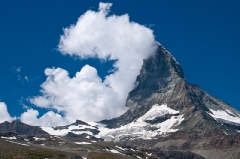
(161, 81)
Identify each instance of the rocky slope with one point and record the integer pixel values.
(17, 126)
(17, 146)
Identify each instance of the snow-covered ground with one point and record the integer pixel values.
(136, 129)
(225, 116)
(36, 138)
(82, 143)
(141, 129)
(72, 128)
(9, 138)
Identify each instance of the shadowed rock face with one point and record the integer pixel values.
(159, 75)
(20, 128)
(162, 81)
(78, 122)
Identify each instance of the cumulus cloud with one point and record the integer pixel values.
(83, 97)
(4, 115)
(97, 34)
(16, 69)
(48, 119)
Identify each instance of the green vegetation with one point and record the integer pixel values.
(33, 154)
(94, 155)
(13, 151)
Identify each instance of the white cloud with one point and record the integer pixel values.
(107, 37)
(4, 115)
(82, 97)
(48, 119)
(16, 69)
(26, 78)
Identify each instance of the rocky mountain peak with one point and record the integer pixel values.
(160, 76)
(161, 81)
(159, 70)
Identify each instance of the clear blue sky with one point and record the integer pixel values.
(202, 35)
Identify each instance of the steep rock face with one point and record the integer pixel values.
(159, 75)
(20, 128)
(162, 81)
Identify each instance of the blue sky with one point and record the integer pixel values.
(202, 35)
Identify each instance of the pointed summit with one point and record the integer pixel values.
(161, 81)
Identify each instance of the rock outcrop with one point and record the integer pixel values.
(18, 127)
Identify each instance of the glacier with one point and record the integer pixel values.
(139, 128)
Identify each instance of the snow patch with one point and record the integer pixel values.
(72, 128)
(82, 143)
(123, 149)
(157, 111)
(149, 154)
(224, 117)
(141, 129)
(36, 138)
(114, 151)
(9, 138)
(17, 143)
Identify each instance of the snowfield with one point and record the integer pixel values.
(136, 129)
(141, 129)
(225, 116)
(72, 128)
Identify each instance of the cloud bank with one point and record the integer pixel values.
(86, 96)
(48, 119)
(4, 115)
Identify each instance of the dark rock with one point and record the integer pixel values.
(78, 122)
(178, 155)
(161, 119)
(94, 131)
(83, 135)
(20, 128)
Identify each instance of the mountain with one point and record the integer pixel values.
(162, 82)
(165, 112)
(18, 127)
(165, 115)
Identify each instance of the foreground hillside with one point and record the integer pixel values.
(17, 146)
